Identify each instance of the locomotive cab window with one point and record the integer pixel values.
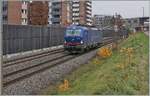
(73, 32)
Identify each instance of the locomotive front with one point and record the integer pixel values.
(73, 39)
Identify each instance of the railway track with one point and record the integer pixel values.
(24, 73)
(35, 56)
(14, 68)
(12, 75)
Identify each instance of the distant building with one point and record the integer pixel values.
(38, 13)
(15, 12)
(137, 23)
(102, 21)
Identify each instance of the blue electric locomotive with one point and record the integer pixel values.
(80, 38)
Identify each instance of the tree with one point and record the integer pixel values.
(38, 13)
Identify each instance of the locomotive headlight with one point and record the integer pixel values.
(81, 42)
(65, 42)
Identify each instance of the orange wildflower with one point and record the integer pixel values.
(104, 52)
(64, 86)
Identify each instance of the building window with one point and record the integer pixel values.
(24, 20)
(5, 18)
(135, 21)
(24, 2)
(4, 8)
(24, 11)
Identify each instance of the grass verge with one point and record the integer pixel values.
(102, 76)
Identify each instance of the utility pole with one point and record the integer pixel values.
(1, 49)
(143, 11)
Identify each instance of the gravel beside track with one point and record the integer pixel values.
(27, 64)
(33, 84)
(13, 78)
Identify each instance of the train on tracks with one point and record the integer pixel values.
(79, 38)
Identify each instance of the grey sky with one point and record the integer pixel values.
(126, 8)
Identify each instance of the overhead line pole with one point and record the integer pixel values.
(1, 49)
(143, 11)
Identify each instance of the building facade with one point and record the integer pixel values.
(60, 12)
(68, 12)
(24, 12)
(82, 12)
(15, 12)
(38, 13)
(138, 23)
(102, 21)
(64, 12)
(5, 12)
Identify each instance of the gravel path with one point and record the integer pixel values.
(35, 83)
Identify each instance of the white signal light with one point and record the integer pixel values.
(65, 41)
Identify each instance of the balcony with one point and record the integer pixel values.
(75, 9)
(55, 19)
(88, 12)
(89, 15)
(88, 20)
(75, 14)
(76, 1)
(56, 6)
(5, 13)
(75, 5)
(89, 3)
(55, 12)
(88, 7)
(5, 3)
(24, 6)
(24, 15)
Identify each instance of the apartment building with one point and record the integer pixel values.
(82, 12)
(68, 12)
(60, 12)
(55, 12)
(64, 12)
(15, 12)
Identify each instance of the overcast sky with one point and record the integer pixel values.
(126, 8)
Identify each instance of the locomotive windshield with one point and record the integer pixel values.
(73, 32)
